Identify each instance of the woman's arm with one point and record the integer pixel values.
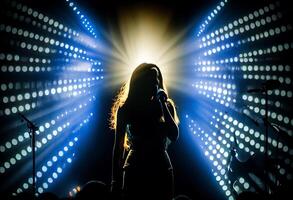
(171, 126)
(117, 161)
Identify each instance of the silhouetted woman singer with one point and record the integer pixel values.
(145, 118)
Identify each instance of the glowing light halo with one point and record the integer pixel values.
(144, 36)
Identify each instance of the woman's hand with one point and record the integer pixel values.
(162, 95)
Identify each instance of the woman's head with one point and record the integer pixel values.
(143, 85)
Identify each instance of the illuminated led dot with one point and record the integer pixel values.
(21, 108)
(225, 187)
(59, 170)
(60, 153)
(7, 165)
(285, 148)
(246, 185)
(286, 120)
(14, 110)
(282, 171)
(27, 106)
(246, 128)
(231, 197)
(54, 158)
(29, 149)
(215, 163)
(49, 163)
(221, 182)
(8, 145)
(41, 128)
(218, 178)
(41, 93)
(38, 144)
(7, 111)
(50, 180)
(45, 185)
(240, 125)
(2, 170)
(26, 135)
(69, 160)
(44, 168)
(24, 152)
(30, 180)
(283, 93)
(241, 146)
(9, 57)
(25, 186)
(2, 148)
(12, 98)
(44, 141)
(40, 190)
(27, 95)
(49, 136)
(19, 190)
(262, 149)
(14, 142)
(53, 91)
(3, 87)
(55, 175)
(12, 161)
(247, 139)
(47, 125)
(39, 174)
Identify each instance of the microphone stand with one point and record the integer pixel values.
(266, 141)
(265, 87)
(32, 130)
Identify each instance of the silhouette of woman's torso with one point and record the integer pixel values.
(147, 164)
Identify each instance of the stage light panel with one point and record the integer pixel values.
(49, 74)
(236, 52)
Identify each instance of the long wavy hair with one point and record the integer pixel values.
(130, 90)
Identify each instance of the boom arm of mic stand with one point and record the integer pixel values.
(30, 124)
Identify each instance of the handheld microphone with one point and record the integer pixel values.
(161, 95)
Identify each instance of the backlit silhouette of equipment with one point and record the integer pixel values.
(266, 86)
(257, 168)
(32, 130)
(252, 169)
